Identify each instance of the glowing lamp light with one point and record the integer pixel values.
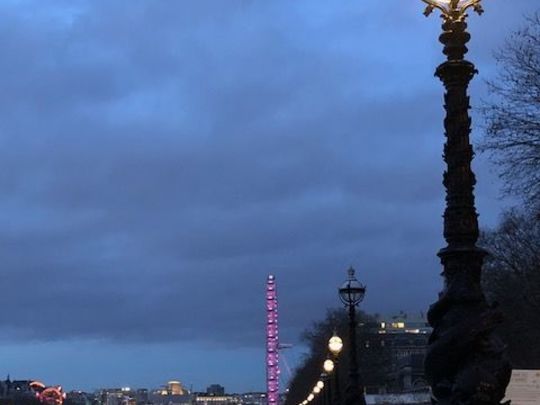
(310, 397)
(320, 384)
(316, 390)
(352, 291)
(328, 365)
(335, 344)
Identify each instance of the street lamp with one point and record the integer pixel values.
(335, 345)
(328, 366)
(352, 293)
(466, 362)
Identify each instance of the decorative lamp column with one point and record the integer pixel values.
(352, 293)
(466, 362)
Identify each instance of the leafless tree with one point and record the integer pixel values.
(512, 279)
(512, 114)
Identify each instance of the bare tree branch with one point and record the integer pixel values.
(512, 114)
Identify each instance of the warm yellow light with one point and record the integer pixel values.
(320, 384)
(328, 365)
(316, 390)
(310, 397)
(335, 344)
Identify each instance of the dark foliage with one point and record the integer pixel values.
(512, 279)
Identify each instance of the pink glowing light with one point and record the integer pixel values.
(272, 343)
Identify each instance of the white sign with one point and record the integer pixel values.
(524, 387)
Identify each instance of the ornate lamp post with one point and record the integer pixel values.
(335, 345)
(351, 294)
(466, 362)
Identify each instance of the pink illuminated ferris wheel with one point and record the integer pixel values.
(272, 343)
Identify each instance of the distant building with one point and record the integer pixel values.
(407, 337)
(175, 388)
(15, 388)
(116, 396)
(254, 398)
(29, 392)
(170, 399)
(79, 398)
(142, 396)
(205, 399)
(215, 389)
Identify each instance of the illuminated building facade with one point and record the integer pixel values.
(175, 388)
(217, 400)
(407, 337)
(254, 398)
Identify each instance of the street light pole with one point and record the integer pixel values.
(466, 362)
(336, 400)
(327, 394)
(351, 294)
(335, 345)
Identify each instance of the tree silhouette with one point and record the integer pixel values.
(513, 114)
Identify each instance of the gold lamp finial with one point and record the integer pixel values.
(453, 10)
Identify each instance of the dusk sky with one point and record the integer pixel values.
(161, 157)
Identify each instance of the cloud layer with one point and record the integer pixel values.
(160, 158)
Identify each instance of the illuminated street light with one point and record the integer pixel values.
(351, 294)
(335, 345)
(328, 366)
(466, 362)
